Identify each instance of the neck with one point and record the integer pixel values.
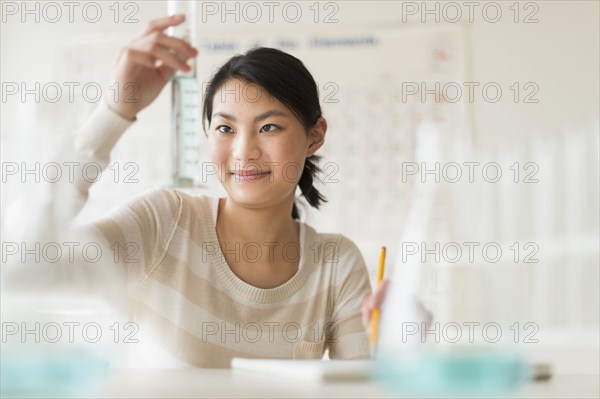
(243, 224)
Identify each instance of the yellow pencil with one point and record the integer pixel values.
(375, 313)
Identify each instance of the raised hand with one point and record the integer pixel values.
(145, 65)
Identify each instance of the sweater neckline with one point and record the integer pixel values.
(239, 286)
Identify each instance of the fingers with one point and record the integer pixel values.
(373, 302)
(178, 45)
(156, 44)
(170, 50)
(137, 57)
(165, 72)
(182, 49)
(170, 59)
(379, 294)
(366, 314)
(158, 25)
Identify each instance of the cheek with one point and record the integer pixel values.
(218, 156)
(217, 152)
(290, 158)
(291, 146)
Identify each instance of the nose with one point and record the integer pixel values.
(246, 148)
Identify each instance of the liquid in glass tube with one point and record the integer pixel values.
(185, 103)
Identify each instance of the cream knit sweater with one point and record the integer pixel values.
(187, 300)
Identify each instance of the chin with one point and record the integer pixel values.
(249, 195)
(255, 197)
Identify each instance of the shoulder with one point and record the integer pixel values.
(337, 250)
(348, 277)
(195, 204)
(157, 200)
(161, 210)
(170, 199)
(166, 205)
(348, 248)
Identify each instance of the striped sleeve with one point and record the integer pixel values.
(347, 337)
(139, 231)
(131, 237)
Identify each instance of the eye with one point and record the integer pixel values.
(272, 127)
(224, 129)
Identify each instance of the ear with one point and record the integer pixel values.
(316, 136)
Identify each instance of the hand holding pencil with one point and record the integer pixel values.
(372, 304)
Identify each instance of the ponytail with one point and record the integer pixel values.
(309, 191)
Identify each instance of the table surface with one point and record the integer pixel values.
(158, 383)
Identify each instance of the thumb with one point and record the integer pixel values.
(166, 72)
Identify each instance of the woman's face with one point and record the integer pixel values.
(257, 145)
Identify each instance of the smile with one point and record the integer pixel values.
(250, 176)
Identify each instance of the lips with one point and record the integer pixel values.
(250, 176)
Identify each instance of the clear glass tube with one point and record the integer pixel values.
(185, 104)
(185, 30)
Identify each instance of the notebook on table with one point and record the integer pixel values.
(325, 370)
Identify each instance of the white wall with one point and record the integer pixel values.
(559, 53)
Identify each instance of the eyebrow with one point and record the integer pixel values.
(258, 118)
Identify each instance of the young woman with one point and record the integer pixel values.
(215, 278)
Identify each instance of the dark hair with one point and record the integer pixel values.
(286, 78)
